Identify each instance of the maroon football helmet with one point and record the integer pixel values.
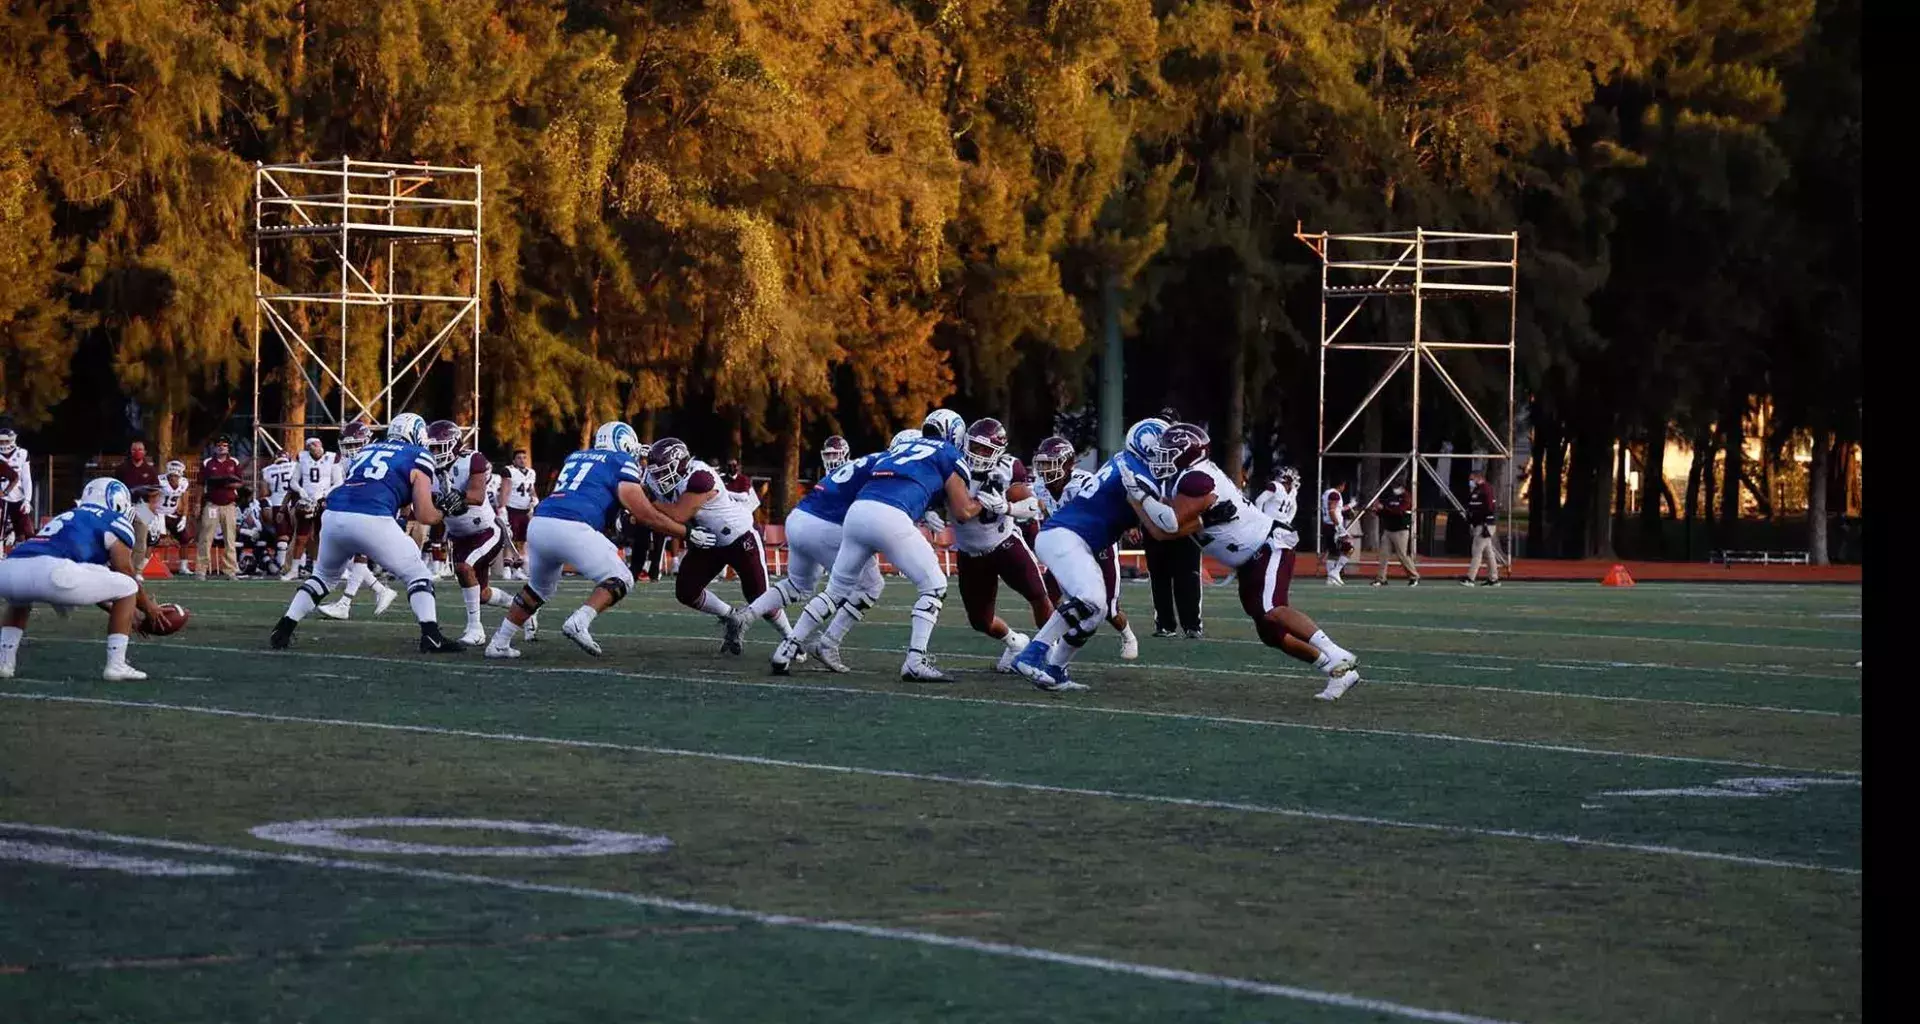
(443, 440)
(353, 437)
(986, 442)
(1053, 460)
(668, 460)
(835, 453)
(1177, 449)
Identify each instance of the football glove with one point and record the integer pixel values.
(1138, 488)
(992, 502)
(933, 521)
(450, 503)
(701, 537)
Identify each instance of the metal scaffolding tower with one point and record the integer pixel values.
(1420, 267)
(355, 219)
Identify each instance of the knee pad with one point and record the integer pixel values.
(1081, 616)
(424, 586)
(528, 601)
(928, 605)
(614, 586)
(789, 594)
(314, 588)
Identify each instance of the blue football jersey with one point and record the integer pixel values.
(80, 535)
(913, 476)
(1100, 514)
(379, 482)
(832, 496)
(588, 487)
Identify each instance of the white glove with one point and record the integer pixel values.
(933, 521)
(1137, 489)
(992, 501)
(701, 537)
(1025, 509)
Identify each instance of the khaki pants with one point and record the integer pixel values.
(1397, 544)
(227, 518)
(1483, 547)
(139, 544)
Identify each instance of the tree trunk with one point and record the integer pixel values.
(1733, 436)
(1699, 468)
(786, 480)
(1543, 494)
(1617, 522)
(1653, 486)
(1817, 498)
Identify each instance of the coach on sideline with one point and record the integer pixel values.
(1480, 512)
(1396, 534)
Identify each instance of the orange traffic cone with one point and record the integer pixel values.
(1617, 577)
(155, 568)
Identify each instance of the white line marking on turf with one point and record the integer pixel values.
(1001, 949)
(93, 860)
(954, 780)
(332, 834)
(1057, 705)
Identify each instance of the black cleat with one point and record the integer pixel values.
(1165, 632)
(282, 636)
(1196, 633)
(1414, 582)
(432, 641)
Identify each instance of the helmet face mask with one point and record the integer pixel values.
(1177, 449)
(9, 440)
(176, 468)
(443, 440)
(668, 461)
(986, 441)
(1053, 459)
(835, 453)
(353, 437)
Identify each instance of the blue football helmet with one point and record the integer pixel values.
(618, 437)
(946, 425)
(1144, 435)
(903, 437)
(408, 428)
(108, 493)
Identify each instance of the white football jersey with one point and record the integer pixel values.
(986, 531)
(171, 495)
(21, 489)
(455, 478)
(318, 476)
(279, 480)
(725, 516)
(520, 488)
(1333, 508)
(1278, 502)
(1232, 529)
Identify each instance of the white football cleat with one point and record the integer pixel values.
(826, 653)
(1129, 646)
(576, 630)
(474, 636)
(735, 623)
(291, 575)
(1338, 685)
(6, 670)
(1016, 642)
(502, 651)
(335, 609)
(122, 673)
(918, 668)
(783, 655)
(382, 597)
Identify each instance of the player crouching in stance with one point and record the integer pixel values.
(569, 527)
(687, 490)
(905, 481)
(991, 545)
(1204, 500)
(360, 520)
(473, 531)
(1092, 519)
(83, 557)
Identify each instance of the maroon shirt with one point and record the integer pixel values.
(221, 478)
(140, 477)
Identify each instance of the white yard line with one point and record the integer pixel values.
(1060, 706)
(1000, 949)
(955, 780)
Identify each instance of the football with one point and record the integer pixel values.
(172, 619)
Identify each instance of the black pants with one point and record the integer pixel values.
(1173, 567)
(644, 548)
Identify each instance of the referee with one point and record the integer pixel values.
(1173, 569)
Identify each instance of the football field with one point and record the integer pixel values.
(1547, 802)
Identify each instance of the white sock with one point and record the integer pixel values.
(774, 600)
(1061, 653)
(819, 608)
(1015, 640)
(301, 606)
(1053, 631)
(470, 597)
(505, 634)
(421, 601)
(10, 643)
(497, 598)
(780, 623)
(585, 613)
(116, 648)
(1127, 633)
(850, 612)
(712, 605)
(357, 577)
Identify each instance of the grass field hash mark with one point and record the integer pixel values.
(1074, 707)
(1316, 996)
(1296, 813)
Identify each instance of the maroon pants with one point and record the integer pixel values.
(517, 523)
(700, 566)
(980, 577)
(18, 516)
(1263, 584)
(477, 551)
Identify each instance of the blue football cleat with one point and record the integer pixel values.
(1032, 663)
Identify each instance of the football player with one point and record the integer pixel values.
(84, 556)
(687, 490)
(904, 483)
(1336, 543)
(991, 546)
(1281, 498)
(570, 528)
(1204, 501)
(473, 531)
(361, 519)
(1091, 520)
(1060, 481)
(353, 437)
(313, 480)
(834, 453)
(16, 488)
(169, 507)
(280, 476)
(520, 500)
(813, 542)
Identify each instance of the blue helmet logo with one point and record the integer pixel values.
(1142, 437)
(108, 493)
